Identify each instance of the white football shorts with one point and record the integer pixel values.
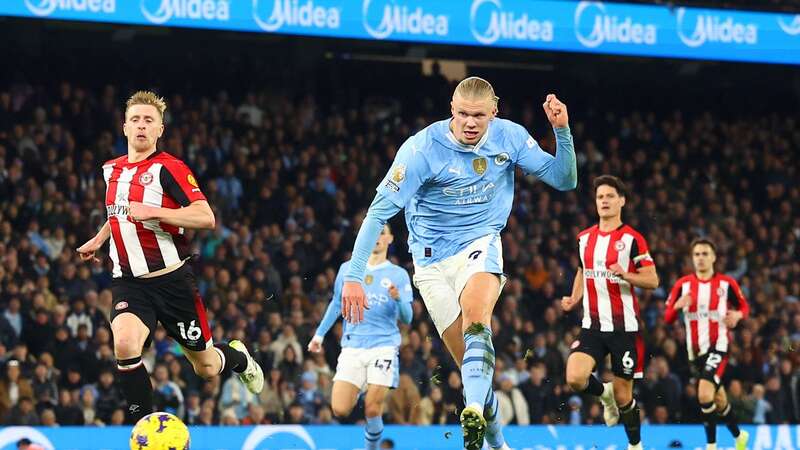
(441, 283)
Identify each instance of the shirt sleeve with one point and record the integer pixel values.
(179, 182)
(406, 296)
(737, 298)
(670, 313)
(640, 253)
(409, 171)
(559, 171)
(380, 211)
(334, 307)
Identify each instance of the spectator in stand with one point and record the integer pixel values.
(306, 170)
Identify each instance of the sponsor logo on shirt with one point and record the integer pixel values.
(117, 210)
(601, 275)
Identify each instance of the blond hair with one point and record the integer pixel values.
(147, 98)
(475, 88)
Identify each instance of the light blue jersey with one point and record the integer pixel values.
(379, 328)
(453, 193)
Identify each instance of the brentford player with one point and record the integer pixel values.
(151, 198)
(712, 304)
(615, 259)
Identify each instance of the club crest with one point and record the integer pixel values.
(145, 178)
(479, 164)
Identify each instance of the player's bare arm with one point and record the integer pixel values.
(732, 318)
(645, 277)
(198, 215)
(683, 302)
(87, 250)
(569, 302)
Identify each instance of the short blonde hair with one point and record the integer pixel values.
(147, 98)
(476, 88)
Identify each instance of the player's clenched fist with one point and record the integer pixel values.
(567, 303)
(315, 345)
(87, 250)
(556, 111)
(354, 302)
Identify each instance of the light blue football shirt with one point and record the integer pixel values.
(379, 327)
(453, 193)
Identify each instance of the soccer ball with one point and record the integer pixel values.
(159, 431)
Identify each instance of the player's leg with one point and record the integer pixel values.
(708, 409)
(453, 338)
(629, 414)
(479, 279)
(132, 322)
(348, 381)
(729, 418)
(624, 364)
(344, 398)
(181, 311)
(586, 351)
(441, 301)
(373, 411)
(477, 367)
(130, 335)
(383, 373)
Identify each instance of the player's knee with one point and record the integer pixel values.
(576, 380)
(373, 409)
(622, 396)
(342, 411)
(127, 345)
(473, 313)
(205, 371)
(704, 396)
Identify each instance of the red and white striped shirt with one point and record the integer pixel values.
(161, 180)
(609, 302)
(704, 318)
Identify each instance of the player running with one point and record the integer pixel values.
(455, 180)
(369, 357)
(712, 304)
(614, 259)
(151, 198)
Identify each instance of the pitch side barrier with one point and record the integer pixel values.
(348, 437)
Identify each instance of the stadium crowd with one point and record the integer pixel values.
(289, 176)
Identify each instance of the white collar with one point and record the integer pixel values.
(377, 266)
(466, 147)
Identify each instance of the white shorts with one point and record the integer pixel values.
(363, 366)
(441, 283)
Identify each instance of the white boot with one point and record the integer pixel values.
(610, 408)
